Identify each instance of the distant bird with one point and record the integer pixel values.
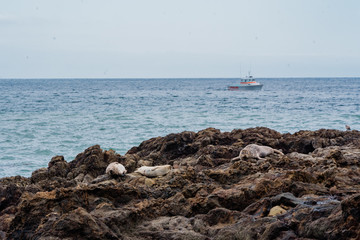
(347, 127)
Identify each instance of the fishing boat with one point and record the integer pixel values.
(247, 83)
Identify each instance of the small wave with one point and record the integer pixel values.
(7, 158)
(44, 152)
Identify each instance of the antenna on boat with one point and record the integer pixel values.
(240, 71)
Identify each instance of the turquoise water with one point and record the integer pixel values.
(41, 118)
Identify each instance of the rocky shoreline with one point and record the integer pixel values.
(310, 192)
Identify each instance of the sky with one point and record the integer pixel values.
(179, 39)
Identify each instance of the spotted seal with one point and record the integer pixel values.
(154, 171)
(256, 151)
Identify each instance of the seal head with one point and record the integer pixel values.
(115, 169)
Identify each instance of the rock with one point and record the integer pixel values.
(351, 207)
(149, 182)
(275, 211)
(312, 192)
(101, 178)
(87, 179)
(176, 227)
(79, 177)
(58, 167)
(11, 189)
(5, 221)
(39, 175)
(75, 223)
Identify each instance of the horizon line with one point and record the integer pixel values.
(150, 78)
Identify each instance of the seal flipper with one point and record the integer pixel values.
(278, 151)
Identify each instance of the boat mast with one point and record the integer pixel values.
(240, 72)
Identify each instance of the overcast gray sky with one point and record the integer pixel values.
(185, 38)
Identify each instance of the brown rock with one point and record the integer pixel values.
(275, 211)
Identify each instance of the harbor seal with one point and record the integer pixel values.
(256, 151)
(154, 171)
(115, 169)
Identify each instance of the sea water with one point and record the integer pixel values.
(42, 118)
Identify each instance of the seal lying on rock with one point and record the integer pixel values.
(256, 151)
(115, 169)
(155, 171)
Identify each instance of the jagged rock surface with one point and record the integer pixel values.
(311, 192)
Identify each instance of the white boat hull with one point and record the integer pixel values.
(246, 87)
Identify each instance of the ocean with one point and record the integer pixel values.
(42, 118)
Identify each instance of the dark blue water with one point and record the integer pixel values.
(41, 118)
